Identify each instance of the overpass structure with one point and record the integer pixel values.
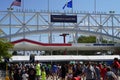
(23, 25)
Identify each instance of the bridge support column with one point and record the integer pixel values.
(99, 39)
(51, 52)
(75, 37)
(50, 37)
(10, 26)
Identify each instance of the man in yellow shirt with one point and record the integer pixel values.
(43, 74)
(38, 70)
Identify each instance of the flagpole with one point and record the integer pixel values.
(48, 5)
(72, 6)
(23, 19)
(95, 6)
(23, 5)
(10, 8)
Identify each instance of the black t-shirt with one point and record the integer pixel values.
(31, 73)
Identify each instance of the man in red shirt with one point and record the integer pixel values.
(116, 66)
(103, 71)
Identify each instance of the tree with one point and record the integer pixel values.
(5, 47)
(87, 39)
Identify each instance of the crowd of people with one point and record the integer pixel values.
(65, 71)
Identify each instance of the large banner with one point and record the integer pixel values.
(64, 18)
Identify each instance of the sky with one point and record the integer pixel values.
(56, 5)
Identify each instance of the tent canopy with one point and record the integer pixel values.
(25, 44)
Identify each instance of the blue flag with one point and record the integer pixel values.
(68, 4)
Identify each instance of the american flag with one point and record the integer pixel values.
(16, 3)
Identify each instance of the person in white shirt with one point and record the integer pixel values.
(25, 76)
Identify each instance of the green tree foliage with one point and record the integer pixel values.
(5, 47)
(87, 39)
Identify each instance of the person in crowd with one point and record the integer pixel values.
(116, 66)
(43, 74)
(63, 71)
(70, 72)
(48, 70)
(54, 71)
(31, 72)
(25, 75)
(110, 75)
(97, 70)
(78, 70)
(89, 72)
(11, 71)
(38, 70)
(103, 70)
(17, 73)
